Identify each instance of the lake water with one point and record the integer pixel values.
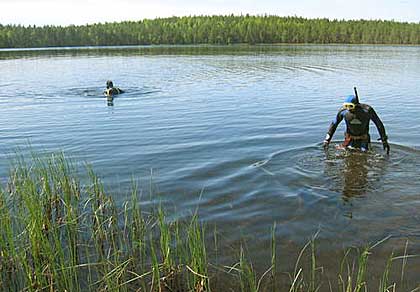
(234, 132)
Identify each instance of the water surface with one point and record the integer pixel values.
(232, 131)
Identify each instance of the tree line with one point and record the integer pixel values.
(213, 30)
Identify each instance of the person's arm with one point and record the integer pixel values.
(333, 127)
(378, 123)
(381, 128)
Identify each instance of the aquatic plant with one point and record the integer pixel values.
(59, 232)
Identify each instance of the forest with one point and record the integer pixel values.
(223, 30)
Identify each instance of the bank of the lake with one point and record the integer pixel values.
(61, 233)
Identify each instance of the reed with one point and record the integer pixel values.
(61, 233)
(274, 258)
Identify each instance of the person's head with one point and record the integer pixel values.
(350, 102)
(109, 84)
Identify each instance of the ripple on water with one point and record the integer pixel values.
(350, 196)
(98, 92)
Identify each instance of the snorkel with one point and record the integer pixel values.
(357, 95)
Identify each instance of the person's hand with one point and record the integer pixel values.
(326, 142)
(386, 146)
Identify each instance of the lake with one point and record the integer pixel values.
(235, 133)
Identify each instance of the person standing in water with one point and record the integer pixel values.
(357, 117)
(111, 90)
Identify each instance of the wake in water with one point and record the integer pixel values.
(381, 183)
(350, 172)
(98, 92)
(352, 197)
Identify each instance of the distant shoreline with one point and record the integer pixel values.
(198, 46)
(214, 30)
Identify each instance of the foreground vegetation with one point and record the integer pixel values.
(213, 30)
(58, 233)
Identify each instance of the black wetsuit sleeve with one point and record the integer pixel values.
(334, 124)
(378, 123)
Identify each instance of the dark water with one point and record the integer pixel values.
(234, 132)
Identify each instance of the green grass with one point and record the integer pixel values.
(59, 234)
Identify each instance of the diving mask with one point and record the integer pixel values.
(349, 106)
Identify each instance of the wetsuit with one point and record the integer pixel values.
(357, 123)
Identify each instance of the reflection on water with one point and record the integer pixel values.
(334, 186)
(110, 101)
(355, 172)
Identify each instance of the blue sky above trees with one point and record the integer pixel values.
(65, 12)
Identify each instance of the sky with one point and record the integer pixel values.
(80, 12)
